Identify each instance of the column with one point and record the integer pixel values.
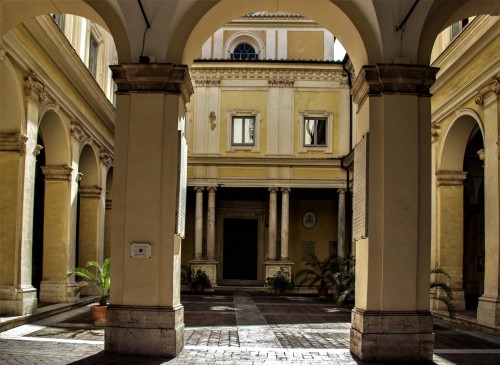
(284, 222)
(198, 225)
(341, 249)
(211, 223)
(145, 316)
(58, 257)
(450, 232)
(391, 320)
(488, 311)
(273, 220)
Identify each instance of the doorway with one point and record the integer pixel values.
(240, 249)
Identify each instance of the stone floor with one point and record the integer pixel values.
(239, 328)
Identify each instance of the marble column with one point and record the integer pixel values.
(284, 222)
(198, 225)
(273, 220)
(211, 223)
(341, 248)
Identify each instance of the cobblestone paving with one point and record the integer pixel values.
(277, 330)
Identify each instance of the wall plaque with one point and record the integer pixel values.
(360, 190)
(140, 250)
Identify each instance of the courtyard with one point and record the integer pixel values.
(234, 328)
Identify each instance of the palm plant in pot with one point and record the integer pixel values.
(280, 281)
(100, 282)
(442, 291)
(317, 273)
(200, 280)
(343, 278)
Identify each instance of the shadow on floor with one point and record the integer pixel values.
(105, 358)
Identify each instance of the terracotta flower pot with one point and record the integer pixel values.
(322, 292)
(199, 287)
(99, 314)
(278, 290)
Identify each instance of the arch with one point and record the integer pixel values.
(55, 137)
(443, 14)
(450, 157)
(349, 24)
(243, 37)
(89, 166)
(100, 12)
(11, 98)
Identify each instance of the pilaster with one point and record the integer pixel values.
(341, 248)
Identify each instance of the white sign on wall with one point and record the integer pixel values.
(140, 250)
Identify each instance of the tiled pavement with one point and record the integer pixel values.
(234, 329)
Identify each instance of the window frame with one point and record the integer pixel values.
(316, 119)
(244, 119)
(255, 146)
(329, 128)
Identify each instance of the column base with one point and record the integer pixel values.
(17, 301)
(488, 311)
(209, 266)
(58, 292)
(272, 267)
(392, 336)
(151, 331)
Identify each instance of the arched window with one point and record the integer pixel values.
(244, 51)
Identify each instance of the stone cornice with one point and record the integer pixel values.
(13, 142)
(57, 173)
(90, 192)
(492, 86)
(450, 178)
(266, 72)
(153, 78)
(281, 83)
(264, 162)
(382, 78)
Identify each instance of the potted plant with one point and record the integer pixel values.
(442, 291)
(343, 278)
(317, 273)
(280, 281)
(200, 280)
(100, 282)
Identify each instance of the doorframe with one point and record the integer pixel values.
(242, 210)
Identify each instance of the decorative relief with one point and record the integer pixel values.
(492, 86)
(38, 148)
(34, 87)
(207, 82)
(450, 178)
(435, 131)
(13, 142)
(77, 131)
(211, 120)
(281, 83)
(57, 173)
(106, 158)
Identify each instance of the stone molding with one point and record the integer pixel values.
(281, 83)
(198, 188)
(57, 173)
(492, 86)
(13, 142)
(153, 78)
(273, 189)
(211, 189)
(435, 132)
(285, 190)
(77, 132)
(34, 88)
(285, 75)
(109, 204)
(106, 158)
(90, 192)
(208, 82)
(450, 178)
(383, 78)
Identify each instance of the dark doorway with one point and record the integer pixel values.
(38, 214)
(240, 249)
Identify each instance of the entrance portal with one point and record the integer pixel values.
(240, 249)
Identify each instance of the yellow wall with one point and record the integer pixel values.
(305, 45)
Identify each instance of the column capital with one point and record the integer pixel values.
(211, 189)
(341, 191)
(57, 173)
(164, 78)
(13, 142)
(78, 133)
(34, 88)
(273, 189)
(285, 190)
(90, 192)
(198, 189)
(491, 87)
(106, 157)
(384, 78)
(450, 178)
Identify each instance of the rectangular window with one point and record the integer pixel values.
(59, 19)
(243, 133)
(457, 27)
(93, 56)
(314, 131)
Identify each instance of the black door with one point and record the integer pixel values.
(240, 249)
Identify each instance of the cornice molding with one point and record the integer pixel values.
(207, 82)
(13, 142)
(90, 192)
(281, 83)
(383, 78)
(450, 178)
(153, 78)
(57, 173)
(263, 162)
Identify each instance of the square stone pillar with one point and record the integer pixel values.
(145, 316)
(391, 319)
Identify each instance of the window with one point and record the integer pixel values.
(59, 20)
(243, 131)
(458, 27)
(93, 56)
(244, 51)
(314, 131)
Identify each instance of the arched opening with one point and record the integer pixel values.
(474, 219)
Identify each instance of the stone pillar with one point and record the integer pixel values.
(273, 220)
(450, 233)
(391, 320)
(56, 287)
(285, 210)
(145, 316)
(341, 244)
(198, 230)
(18, 153)
(211, 223)
(488, 311)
